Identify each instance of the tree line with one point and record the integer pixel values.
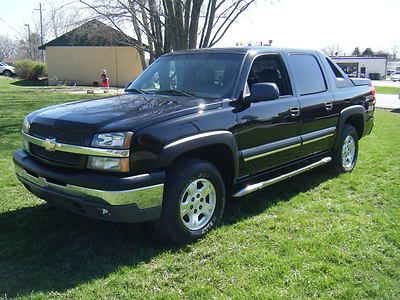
(337, 50)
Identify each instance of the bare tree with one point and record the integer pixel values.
(60, 19)
(28, 49)
(7, 47)
(333, 50)
(393, 54)
(166, 25)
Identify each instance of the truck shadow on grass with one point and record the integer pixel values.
(44, 248)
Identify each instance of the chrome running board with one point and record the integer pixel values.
(260, 185)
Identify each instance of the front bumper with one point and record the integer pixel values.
(122, 199)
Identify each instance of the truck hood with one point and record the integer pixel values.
(124, 112)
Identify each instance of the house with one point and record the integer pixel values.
(362, 66)
(80, 55)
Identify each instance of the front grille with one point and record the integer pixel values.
(66, 136)
(58, 157)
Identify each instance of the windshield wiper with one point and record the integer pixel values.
(133, 90)
(176, 92)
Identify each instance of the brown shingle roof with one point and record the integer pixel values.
(92, 33)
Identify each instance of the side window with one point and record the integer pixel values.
(335, 70)
(308, 74)
(270, 68)
(339, 77)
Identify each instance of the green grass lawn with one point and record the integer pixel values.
(387, 90)
(314, 236)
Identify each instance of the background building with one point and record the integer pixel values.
(393, 66)
(362, 66)
(79, 56)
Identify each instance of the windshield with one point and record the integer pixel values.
(202, 75)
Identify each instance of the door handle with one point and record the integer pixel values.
(294, 111)
(328, 105)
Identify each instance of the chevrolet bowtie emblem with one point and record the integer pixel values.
(50, 144)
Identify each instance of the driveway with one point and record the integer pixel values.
(387, 101)
(385, 83)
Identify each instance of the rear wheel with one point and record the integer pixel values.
(344, 156)
(194, 201)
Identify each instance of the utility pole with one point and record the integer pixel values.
(41, 27)
(29, 40)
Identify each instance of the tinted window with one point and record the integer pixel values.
(203, 75)
(270, 68)
(335, 70)
(308, 73)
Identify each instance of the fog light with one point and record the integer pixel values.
(108, 163)
(25, 145)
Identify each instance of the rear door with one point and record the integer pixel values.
(268, 131)
(318, 114)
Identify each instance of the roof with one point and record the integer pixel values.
(91, 33)
(358, 57)
(241, 50)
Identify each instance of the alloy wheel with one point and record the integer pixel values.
(348, 151)
(198, 204)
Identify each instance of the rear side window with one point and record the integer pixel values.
(335, 70)
(308, 74)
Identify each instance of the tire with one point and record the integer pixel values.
(189, 211)
(344, 156)
(7, 73)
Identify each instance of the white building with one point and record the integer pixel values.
(362, 66)
(393, 66)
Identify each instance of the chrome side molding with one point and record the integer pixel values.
(260, 185)
(272, 152)
(196, 136)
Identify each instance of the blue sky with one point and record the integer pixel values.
(289, 23)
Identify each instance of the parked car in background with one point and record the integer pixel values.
(396, 76)
(6, 69)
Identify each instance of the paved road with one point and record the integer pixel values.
(387, 101)
(385, 83)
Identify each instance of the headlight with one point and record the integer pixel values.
(114, 140)
(108, 163)
(26, 125)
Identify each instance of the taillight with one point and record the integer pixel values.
(373, 94)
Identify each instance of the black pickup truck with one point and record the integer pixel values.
(196, 127)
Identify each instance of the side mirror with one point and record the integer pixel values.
(127, 84)
(264, 91)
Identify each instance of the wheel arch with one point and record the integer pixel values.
(216, 147)
(354, 116)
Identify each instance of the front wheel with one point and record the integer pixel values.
(7, 73)
(344, 156)
(194, 201)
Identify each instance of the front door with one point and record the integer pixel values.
(363, 72)
(268, 133)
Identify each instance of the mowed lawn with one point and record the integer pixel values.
(387, 90)
(314, 236)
